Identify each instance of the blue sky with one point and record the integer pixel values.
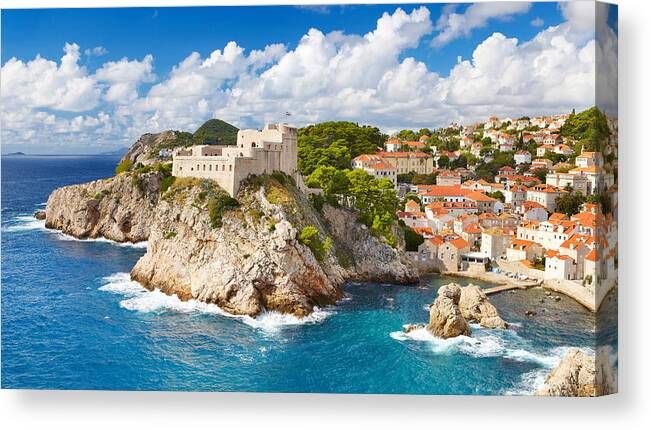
(119, 79)
(170, 34)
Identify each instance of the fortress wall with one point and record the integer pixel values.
(218, 169)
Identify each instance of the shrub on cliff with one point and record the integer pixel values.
(123, 166)
(218, 205)
(309, 236)
(166, 183)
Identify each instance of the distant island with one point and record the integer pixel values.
(119, 152)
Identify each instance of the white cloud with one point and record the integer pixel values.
(97, 51)
(326, 76)
(42, 83)
(537, 22)
(124, 77)
(452, 25)
(580, 15)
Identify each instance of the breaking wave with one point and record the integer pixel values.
(486, 343)
(23, 223)
(139, 245)
(139, 299)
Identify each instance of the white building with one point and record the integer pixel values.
(522, 157)
(257, 152)
(382, 170)
(579, 183)
(494, 243)
(546, 195)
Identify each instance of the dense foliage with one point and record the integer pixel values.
(309, 236)
(218, 204)
(570, 203)
(487, 171)
(215, 132)
(374, 199)
(124, 166)
(417, 178)
(335, 144)
(412, 239)
(589, 128)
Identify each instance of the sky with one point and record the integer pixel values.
(91, 80)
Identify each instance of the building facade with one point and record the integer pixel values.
(274, 148)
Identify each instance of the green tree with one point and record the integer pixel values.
(497, 195)
(541, 173)
(330, 179)
(570, 203)
(309, 236)
(335, 143)
(590, 127)
(412, 239)
(408, 135)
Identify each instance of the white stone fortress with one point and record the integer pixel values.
(274, 148)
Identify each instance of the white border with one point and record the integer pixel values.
(629, 409)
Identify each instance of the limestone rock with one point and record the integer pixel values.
(254, 262)
(119, 208)
(40, 215)
(445, 317)
(580, 375)
(475, 307)
(145, 150)
(366, 258)
(408, 328)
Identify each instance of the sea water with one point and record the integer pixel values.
(73, 319)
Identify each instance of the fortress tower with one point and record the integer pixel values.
(274, 148)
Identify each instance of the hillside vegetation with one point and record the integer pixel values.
(589, 128)
(335, 144)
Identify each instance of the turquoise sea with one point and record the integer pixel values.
(72, 319)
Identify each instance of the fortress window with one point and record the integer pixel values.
(252, 144)
(230, 168)
(210, 167)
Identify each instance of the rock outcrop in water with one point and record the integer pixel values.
(475, 307)
(246, 255)
(119, 208)
(580, 375)
(445, 317)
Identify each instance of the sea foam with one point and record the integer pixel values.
(139, 245)
(24, 223)
(486, 343)
(139, 299)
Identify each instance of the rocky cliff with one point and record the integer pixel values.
(146, 148)
(268, 250)
(580, 375)
(119, 208)
(254, 255)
